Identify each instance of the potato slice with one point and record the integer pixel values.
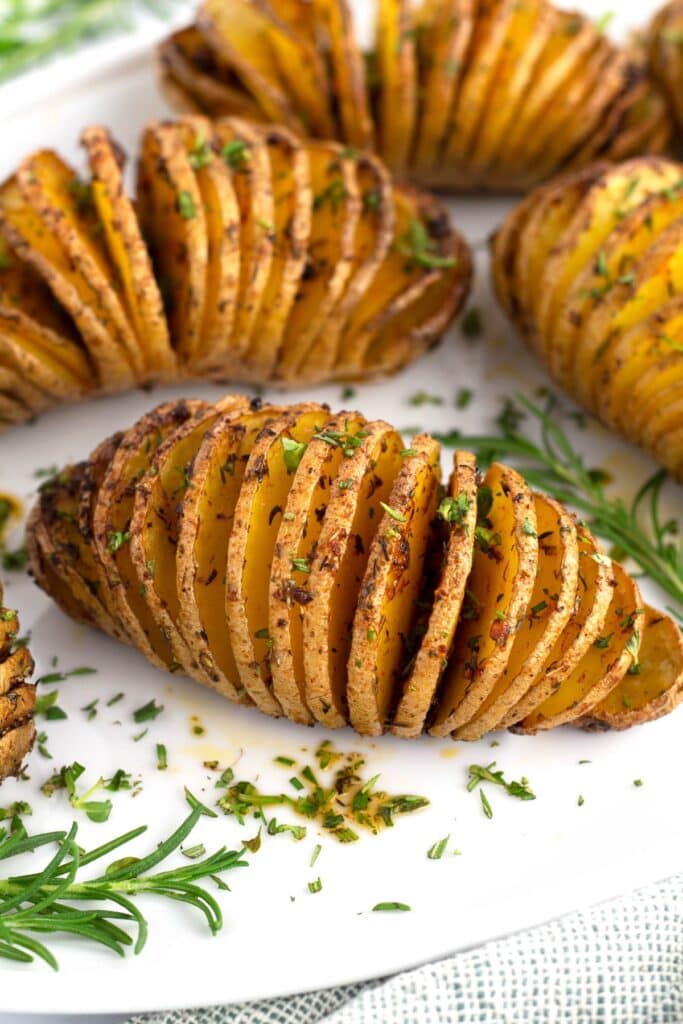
(244, 149)
(128, 252)
(267, 479)
(195, 80)
(550, 608)
(654, 686)
(603, 666)
(222, 220)
(457, 515)
(207, 513)
(528, 32)
(612, 193)
(372, 462)
(29, 238)
(374, 235)
(54, 540)
(336, 212)
(421, 240)
(382, 635)
(335, 22)
(111, 520)
(173, 221)
(395, 53)
(443, 40)
(26, 347)
(237, 31)
(490, 31)
(593, 599)
(65, 206)
(295, 549)
(154, 526)
(292, 207)
(498, 593)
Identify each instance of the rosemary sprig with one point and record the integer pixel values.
(42, 903)
(636, 530)
(34, 30)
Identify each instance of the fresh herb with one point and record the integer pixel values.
(66, 778)
(16, 559)
(391, 905)
(162, 757)
(454, 510)
(472, 324)
(425, 398)
(437, 851)
(396, 516)
(463, 398)
(236, 154)
(148, 711)
(334, 194)
(116, 539)
(316, 853)
(293, 453)
(200, 155)
(91, 709)
(580, 802)
(485, 805)
(315, 886)
(480, 773)
(421, 250)
(635, 529)
(43, 902)
(186, 206)
(301, 565)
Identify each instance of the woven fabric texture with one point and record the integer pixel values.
(617, 963)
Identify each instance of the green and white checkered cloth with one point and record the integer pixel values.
(617, 963)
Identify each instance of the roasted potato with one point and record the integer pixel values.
(590, 269)
(664, 45)
(249, 253)
(312, 565)
(454, 94)
(17, 695)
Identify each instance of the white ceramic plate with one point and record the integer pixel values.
(531, 862)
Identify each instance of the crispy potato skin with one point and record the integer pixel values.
(250, 253)
(456, 95)
(310, 565)
(588, 267)
(17, 696)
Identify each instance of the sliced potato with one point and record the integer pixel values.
(154, 525)
(498, 593)
(263, 496)
(245, 150)
(295, 549)
(27, 348)
(586, 624)
(173, 221)
(65, 206)
(458, 514)
(237, 31)
(603, 666)
(292, 208)
(207, 514)
(335, 21)
(443, 40)
(111, 521)
(653, 685)
(382, 637)
(372, 462)
(374, 235)
(195, 80)
(336, 212)
(550, 608)
(397, 73)
(36, 245)
(127, 250)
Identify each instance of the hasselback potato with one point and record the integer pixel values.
(248, 254)
(456, 94)
(313, 565)
(590, 268)
(664, 44)
(17, 695)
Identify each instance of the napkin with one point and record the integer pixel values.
(619, 963)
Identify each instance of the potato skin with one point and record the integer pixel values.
(585, 267)
(250, 253)
(312, 565)
(17, 696)
(456, 95)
